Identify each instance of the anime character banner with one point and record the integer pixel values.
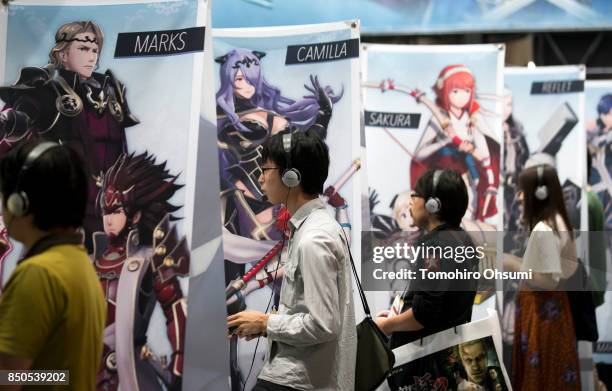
(464, 358)
(432, 107)
(120, 83)
(270, 81)
(598, 122)
(543, 124)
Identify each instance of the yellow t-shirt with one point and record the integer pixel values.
(53, 311)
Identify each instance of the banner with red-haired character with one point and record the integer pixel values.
(432, 107)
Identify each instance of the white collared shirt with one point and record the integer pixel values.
(312, 341)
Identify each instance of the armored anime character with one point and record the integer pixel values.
(67, 101)
(599, 139)
(139, 260)
(515, 156)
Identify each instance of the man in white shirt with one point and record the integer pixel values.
(312, 340)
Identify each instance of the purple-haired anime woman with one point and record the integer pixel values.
(249, 110)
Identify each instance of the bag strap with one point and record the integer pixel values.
(364, 301)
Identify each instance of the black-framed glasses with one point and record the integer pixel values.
(415, 194)
(264, 169)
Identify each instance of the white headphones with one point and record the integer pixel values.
(18, 202)
(433, 204)
(440, 81)
(541, 191)
(291, 176)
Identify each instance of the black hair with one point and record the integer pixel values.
(144, 186)
(536, 210)
(309, 155)
(450, 190)
(56, 185)
(589, 164)
(511, 121)
(603, 107)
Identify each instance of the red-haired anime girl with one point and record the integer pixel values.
(457, 137)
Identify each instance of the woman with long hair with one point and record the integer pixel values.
(545, 354)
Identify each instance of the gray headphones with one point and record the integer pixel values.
(541, 191)
(18, 202)
(433, 204)
(291, 176)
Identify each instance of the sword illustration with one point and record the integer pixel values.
(348, 173)
(238, 284)
(556, 129)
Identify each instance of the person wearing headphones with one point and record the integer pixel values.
(544, 353)
(438, 203)
(312, 339)
(52, 309)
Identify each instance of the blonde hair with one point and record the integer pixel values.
(66, 33)
(402, 202)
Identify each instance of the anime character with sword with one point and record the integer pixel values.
(139, 259)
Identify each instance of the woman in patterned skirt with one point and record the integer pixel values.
(545, 355)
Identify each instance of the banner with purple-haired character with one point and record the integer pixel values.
(276, 81)
(120, 82)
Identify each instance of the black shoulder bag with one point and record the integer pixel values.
(374, 357)
(579, 293)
